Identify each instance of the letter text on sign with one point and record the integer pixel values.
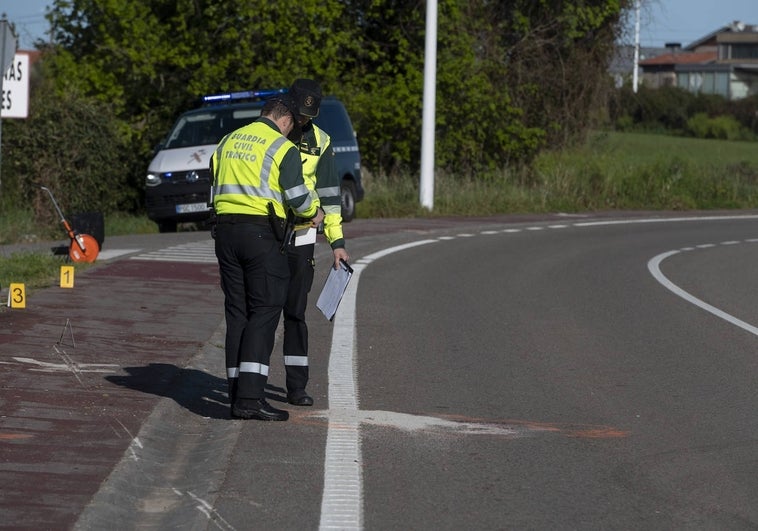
(15, 97)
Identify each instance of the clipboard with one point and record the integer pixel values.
(333, 290)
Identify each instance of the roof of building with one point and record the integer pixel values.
(734, 27)
(681, 58)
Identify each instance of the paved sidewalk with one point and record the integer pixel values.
(82, 368)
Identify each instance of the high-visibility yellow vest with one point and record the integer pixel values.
(332, 209)
(246, 171)
(311, 158)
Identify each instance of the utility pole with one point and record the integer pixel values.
(636, 76)
(426, 184)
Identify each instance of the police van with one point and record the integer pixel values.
(177, 186)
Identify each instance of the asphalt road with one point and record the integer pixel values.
(504, 373)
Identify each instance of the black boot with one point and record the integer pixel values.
(259, 409)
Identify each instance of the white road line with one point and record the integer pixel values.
(201, 252)
(661, 220)
(342, 502)
(110, 254)
(654, 267)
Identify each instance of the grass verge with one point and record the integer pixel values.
(623, 171)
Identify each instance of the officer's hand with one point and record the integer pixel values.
(340, 254)
(318, 218)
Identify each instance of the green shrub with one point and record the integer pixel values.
(75, 147)
(719, 127)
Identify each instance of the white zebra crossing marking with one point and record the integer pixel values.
(201, 252)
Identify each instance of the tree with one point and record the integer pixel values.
(513, 77)
(73, 147)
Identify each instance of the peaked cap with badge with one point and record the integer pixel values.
(307, 95)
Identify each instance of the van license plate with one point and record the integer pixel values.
(191, 207)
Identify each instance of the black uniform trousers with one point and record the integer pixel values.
(254, 276)
(301, 267)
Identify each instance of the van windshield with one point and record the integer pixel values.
(201, 128)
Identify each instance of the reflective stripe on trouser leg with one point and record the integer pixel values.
(297, 372)
(252, 375)
(295, 340)
(232, 375)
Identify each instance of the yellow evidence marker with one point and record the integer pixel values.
(16, 295)
(67, 276)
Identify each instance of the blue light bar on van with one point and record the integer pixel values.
(243, 95)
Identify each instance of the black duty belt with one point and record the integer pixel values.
(243, 218)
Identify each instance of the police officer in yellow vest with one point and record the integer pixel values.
(257, 179)
(322, 180)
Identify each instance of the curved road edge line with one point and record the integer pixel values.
(653, 266)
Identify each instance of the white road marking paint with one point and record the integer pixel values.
(660, 220)
(207, 509)
(408, 422)
(200, 252)
(342, 501)
(72, 366)
(654, 267)
(110, 254)
(134, 445)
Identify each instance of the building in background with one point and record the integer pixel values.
(724, 62)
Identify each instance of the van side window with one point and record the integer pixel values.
(335, 122)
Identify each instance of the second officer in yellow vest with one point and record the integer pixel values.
(322, 180)
(257, 179)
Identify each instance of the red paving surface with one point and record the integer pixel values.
(68, 408)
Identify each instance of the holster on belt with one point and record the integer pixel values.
(289, 230)
(278, 225)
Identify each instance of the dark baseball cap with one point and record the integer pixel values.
(307, 96)
(288, 101)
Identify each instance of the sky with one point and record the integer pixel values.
(661, 21)
(686, 21)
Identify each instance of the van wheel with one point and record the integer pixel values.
(166, 226)
(348, 200)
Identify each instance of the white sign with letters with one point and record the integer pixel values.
(15, 101)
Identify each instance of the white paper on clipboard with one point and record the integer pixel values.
(305, 236)
(333, 290)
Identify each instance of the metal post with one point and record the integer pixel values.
(426, 185)
(636, 46)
